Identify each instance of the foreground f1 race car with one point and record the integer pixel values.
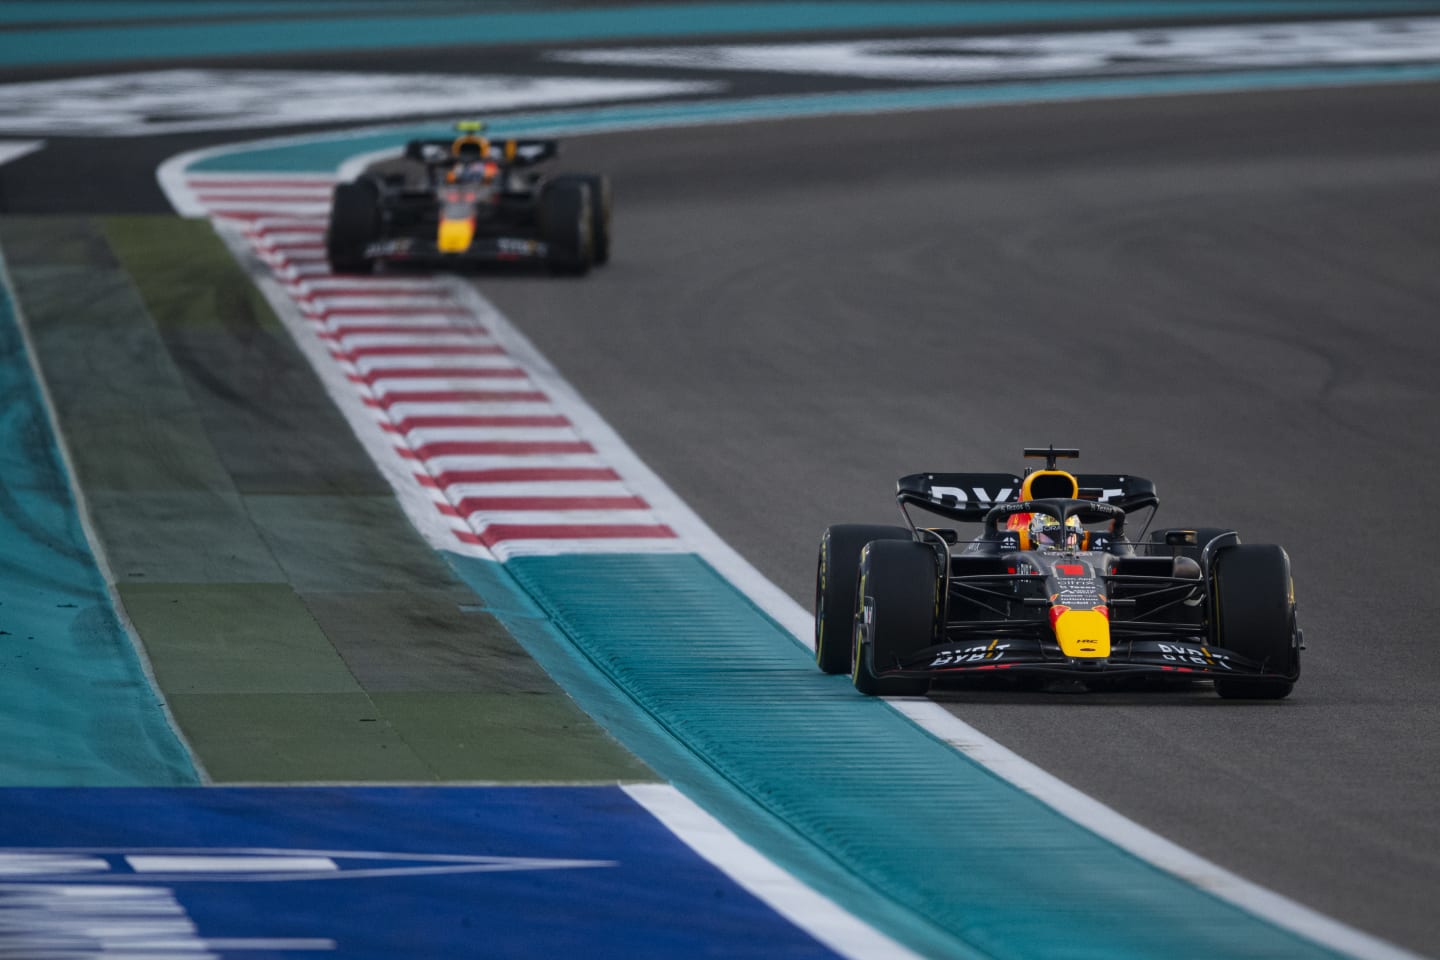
(1052, 587)
(467, 200)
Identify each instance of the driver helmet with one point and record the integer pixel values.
(1047, 532)
(470, 149)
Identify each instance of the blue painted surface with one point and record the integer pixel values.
(325, 152)
(997, 872)
(190, 41)
(643, 894)
(75, 705)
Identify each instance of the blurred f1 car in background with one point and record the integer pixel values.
(469, 200)
(1051, 588)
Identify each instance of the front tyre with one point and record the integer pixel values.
(899, 610)
(837, 571)
(354, 225)
(1253, 614)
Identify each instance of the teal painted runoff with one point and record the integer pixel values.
(673, 758)
(93, 11)
(76, 708)
(987, 869)
(192, 41)
(326, 152)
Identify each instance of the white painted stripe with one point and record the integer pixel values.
(540, 488)
(423, 345)
(293, 208)
(15, 149)
(420, 436)
(296, 254)
(787, 896)
(352, 334)
(399, 412)
(419, 297)
(293, 231)
(351, 317)
(421, 285)
(241, 190)
(450, 464)
(352, 339)
(304, 270)
(157, 863)
(464, 379)
(481, 520)
(288, 247)
(507, 383)
(508, 549)
(262, 225)
(439, 359)
(274, 238)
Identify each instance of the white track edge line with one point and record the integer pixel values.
(787, 896)
(1143, 842)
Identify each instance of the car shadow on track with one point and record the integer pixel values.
(1139, 692)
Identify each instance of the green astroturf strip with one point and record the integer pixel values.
(75, 706)
(647, 21)
(187, 276)
(300, 629)
(908, 814)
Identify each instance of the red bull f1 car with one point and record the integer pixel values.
(469, 200)
(1053, 586)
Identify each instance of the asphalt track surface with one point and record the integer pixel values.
(1233, 295)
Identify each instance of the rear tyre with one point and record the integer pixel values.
(836, 574)
(354, 225)
(566, 215)
(1253, 615)
(899, 602)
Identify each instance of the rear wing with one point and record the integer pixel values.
(516, 153)
(967, 497)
